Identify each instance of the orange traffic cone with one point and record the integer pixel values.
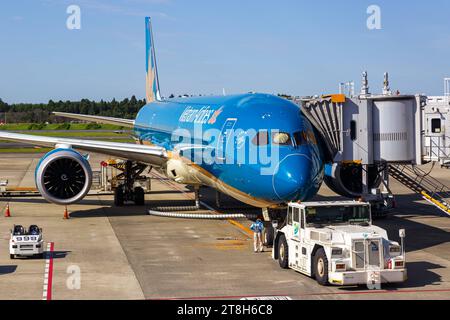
(66, 214)
(7, 211)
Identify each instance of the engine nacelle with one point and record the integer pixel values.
(346, 179)
(63, 176)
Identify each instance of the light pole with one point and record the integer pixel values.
(402, 234)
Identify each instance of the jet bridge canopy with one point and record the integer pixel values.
(368, 129)
(383, 134)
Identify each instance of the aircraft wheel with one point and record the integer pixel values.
(119, 196)
(139, 196)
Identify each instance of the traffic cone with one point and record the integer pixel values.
(66, 214)
(7, 211)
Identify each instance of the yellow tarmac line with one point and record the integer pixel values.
(241, 226)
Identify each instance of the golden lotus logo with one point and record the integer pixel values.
(215, 115)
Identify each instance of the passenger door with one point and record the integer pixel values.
(225, 139)
(434, 138)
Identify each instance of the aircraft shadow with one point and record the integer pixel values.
(419, 235)
(53, 255)
(60, 254)
(7, 270)
(420, 274)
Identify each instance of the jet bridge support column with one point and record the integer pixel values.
(365, 180)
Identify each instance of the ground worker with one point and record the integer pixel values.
(257, 228)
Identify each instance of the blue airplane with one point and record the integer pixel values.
(257, 148)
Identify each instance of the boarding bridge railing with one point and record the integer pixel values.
(422, 183)
(436, 150)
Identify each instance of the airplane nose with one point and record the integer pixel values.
(291, 177)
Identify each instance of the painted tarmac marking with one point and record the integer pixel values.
(48, 273)
(315, 294)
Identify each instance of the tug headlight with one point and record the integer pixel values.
(341, 267)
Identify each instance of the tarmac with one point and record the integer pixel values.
(103, 252)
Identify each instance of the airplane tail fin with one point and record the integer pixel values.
(152, 81)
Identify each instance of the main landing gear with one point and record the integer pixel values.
(131, 171)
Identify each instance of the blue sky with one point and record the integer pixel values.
(295, 47)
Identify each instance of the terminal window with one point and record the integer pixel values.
(436, 125)
(353, 130)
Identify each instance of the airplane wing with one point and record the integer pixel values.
(153, 155)
(97, 119)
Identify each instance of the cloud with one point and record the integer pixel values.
(17, 18)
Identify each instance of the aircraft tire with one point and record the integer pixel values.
(139, 196)
(119, 197)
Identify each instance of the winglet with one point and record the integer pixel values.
(152, 81)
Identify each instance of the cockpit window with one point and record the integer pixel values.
(281, 138)
(278, 138)
(300, 138)
(304, 137)
(261, 139)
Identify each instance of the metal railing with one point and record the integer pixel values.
(437, 150)
(420, 182)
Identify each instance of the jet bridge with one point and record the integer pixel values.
(369, 137)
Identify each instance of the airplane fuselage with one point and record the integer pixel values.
(257, 148)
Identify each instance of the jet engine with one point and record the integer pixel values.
(346, 179)
(63, 176)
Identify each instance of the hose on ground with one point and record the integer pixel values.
(210, 216)
(173, 209)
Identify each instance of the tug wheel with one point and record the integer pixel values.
(268, 236)
(321, 267)
(283, 253)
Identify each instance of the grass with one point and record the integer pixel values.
(90, 133)
(45, 150)
(56, 126)
(25, 150)
(68, 133)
